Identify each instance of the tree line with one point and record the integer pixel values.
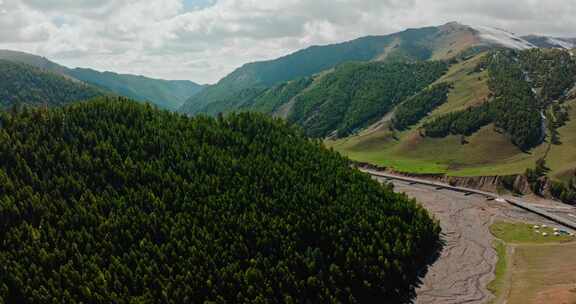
(358, 94)
(417, 107)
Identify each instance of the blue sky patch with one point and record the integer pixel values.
(190, 5)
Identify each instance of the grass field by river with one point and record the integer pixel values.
(484, 153)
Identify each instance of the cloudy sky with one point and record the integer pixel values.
(203, 40)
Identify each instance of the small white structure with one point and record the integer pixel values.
(537, 231)
(556, 229)
(536, 227)
(544, 226)
(556, 233)
(544, 234)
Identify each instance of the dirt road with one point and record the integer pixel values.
(467, 261)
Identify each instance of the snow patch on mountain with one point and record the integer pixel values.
(502, 38)
(561, 43)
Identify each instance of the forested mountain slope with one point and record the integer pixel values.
(514, 110)
(24, 84)
(347, 98)
(111, 201)
(451, 40)
(168, 94)
(506, 111)
(358, 94)
(33, 60)
(410, 45)
(519, 86)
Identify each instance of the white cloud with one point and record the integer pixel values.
(161, 38)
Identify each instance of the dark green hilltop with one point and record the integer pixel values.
(111, 201)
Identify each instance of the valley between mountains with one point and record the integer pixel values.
(118, 188)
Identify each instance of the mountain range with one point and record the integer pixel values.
(454, 99)
(443, 42)
(167, 94)
(113, 201)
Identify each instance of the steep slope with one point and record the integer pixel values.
(347, 98)
(430, 43)
(272, 99)
(166, 94)
(25, 84)
(357, 94)
(514, 108)
(111, 201)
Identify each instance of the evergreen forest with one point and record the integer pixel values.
(112, 201)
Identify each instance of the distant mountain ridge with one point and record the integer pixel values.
(33, 60)
(25, 84)
(167, 94)
(429, 43)
(499, 104)
(221, 96)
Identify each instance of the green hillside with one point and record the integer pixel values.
(420, 105)
(33, 60)
(272, 99)
(410, 45)
(358, 94)
(491, 122)
(167, 94)
(441, 43)
(111, 201)
(514, 108)
(23, 84)
(345, 99)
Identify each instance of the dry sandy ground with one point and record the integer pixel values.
(543, 273)
(467, 262)
(560, 295)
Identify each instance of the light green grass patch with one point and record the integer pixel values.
(520, 233)
(470, 89)
(538, 264)
(497, 285)
(486, 153)
(562, 158)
